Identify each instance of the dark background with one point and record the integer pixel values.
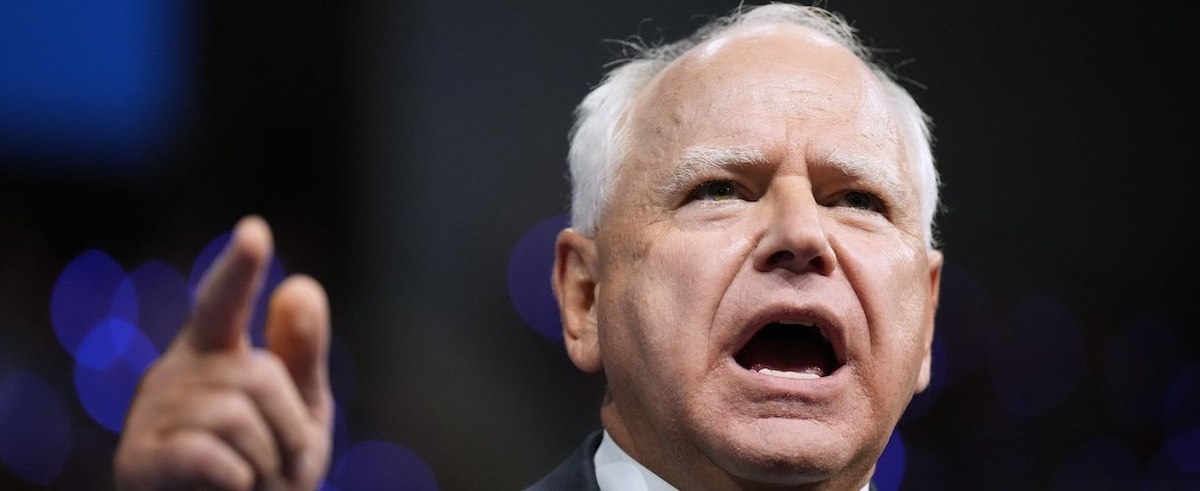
(400, 150)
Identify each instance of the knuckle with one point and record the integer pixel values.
(295, 443)
(198, 458)
(233, 418)
(229, 411)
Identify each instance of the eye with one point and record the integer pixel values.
(715, 191)
(861, 200)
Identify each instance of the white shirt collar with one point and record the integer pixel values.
(617, 471)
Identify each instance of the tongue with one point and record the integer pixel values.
(788, 349)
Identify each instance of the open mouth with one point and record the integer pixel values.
(789, 350)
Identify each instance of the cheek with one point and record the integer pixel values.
(665, 291)
(892, 281)
(694, 270)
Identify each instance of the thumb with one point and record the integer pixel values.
(298, 333)
(226, 294)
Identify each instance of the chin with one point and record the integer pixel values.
(786, 452)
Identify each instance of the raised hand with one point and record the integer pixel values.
(214, 412)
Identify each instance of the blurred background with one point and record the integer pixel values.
(410, 156)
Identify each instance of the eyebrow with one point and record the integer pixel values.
(869, 169)
(702, 160)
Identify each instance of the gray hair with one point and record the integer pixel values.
(600, 136)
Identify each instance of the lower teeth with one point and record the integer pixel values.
(787, 374)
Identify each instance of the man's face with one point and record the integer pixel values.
(762, 295)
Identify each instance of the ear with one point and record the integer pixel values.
(935, 281)
(575, 281)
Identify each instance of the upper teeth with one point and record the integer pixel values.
(820, 329)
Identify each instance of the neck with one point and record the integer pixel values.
(685, 466)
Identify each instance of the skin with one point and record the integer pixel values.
(215, 413)
(681, 273)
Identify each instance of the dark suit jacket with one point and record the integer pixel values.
(578, 472)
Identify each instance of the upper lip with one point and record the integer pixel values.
(817, 315)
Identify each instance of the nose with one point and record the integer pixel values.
(795, 239)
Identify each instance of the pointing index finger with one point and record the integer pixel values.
(225, 297)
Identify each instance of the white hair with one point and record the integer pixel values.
(600, 136)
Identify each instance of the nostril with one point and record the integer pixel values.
(819, 263)
(797, 249)
(779, 258)
(788, 260)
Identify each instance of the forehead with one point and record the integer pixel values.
(775, 86)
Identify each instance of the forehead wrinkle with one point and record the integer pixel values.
(792, 102)
(700, 160)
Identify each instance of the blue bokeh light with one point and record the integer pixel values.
(1140, 360)
(1184, 449)
(1181, 420)
(108, 341)
(162, 294)
(1162, 474)
(529, 269)
(35, 429)
(1101, 463)
(1037, 358)
(379, 465)
(889, 470)
(341, 433)
(118, 355)
(90, 289)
